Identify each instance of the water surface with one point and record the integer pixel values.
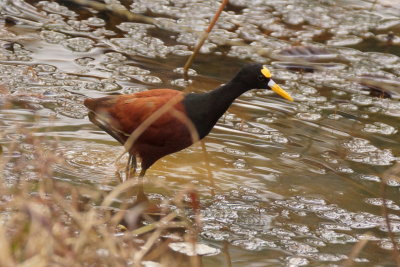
(297, 183)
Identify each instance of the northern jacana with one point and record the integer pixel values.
(120, 115)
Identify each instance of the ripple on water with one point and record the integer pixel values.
(148, 46)
(44, 68)
(113, 57)
(379, 127)
(333, 237)
(293, 261)
(307, 116)
(361, 100)
(103, 86)
(84, 61)
(347, 107)
(335, 116)
(393, 182)
(355, 220)
(129, 70)
(388, 106)
(370, 177)
(394, 227)
(267, 118)
(238, 221)
(240, 164)
(199, 249)
(53, 37)
(360, 150)
(181, 82)
(98, 166)
(380, 202)
(79, 44)
(95, 22)
(55, 8)
(253, 244)
(69, 108)
(234, 152)
(290, 155)
(298, 248)
(386, 244)
(325, 257)
(16, 52)
(147, 79)
(348, 40)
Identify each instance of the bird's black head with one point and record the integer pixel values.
(257, 76)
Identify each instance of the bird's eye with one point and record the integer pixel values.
(261, 77)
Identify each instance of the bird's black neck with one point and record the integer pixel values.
(205, 109)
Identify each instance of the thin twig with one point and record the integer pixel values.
(393, 171)
(227, 255)
(203, 38)
(152, 239)
(388, 225)
(208, 167)
(355, 252)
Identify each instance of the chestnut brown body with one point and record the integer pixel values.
(122, 114)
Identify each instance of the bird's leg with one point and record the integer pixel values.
(131, 166)
(140, 194)
(128, 167)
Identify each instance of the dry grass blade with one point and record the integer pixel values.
(119, 189)
(204, 37)
(227, 254)
(48, 222)
(391, 173)
(208, 167)
(5, 252)
(144, 229)
(150, 227)
(396, 255)
(355, 252)
(153, 238)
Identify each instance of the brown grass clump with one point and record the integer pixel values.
(49, 222)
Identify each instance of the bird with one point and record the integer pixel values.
(187, 117)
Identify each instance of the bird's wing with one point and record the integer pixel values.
(120, 115)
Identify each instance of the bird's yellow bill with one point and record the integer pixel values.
(277, 89)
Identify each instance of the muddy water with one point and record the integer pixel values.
(296, 183)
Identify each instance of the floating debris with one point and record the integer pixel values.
(380, 86)
(306, 53)
(191, 249)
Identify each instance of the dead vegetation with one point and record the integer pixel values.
(49, 222)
